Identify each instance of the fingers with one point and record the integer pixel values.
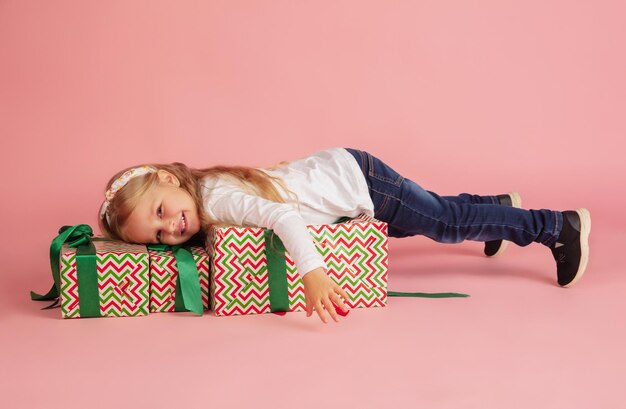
(332, 302)
(327, 303)
(330, 309)
(338, 301)
(308, 306)
(320, 311)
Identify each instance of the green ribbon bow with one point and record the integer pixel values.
(188, 294)
(277, 275)
(79, 237)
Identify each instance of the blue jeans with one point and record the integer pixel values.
(409, 210)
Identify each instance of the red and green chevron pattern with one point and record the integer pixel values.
(355, 252)
(163, 274)
(122, 280)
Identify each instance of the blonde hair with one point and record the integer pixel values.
(252, 180)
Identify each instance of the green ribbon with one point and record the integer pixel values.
(426, 295)
(277, 272)
(79, 237)
(188, 294)
(277, 275)
(87, 277)
(75, 235)
(343, 219)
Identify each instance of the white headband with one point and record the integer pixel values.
(120, 183)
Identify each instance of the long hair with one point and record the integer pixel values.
(252, 180)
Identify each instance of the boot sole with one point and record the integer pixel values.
(585, 229)
(516, 201)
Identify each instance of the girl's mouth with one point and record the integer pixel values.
(183, 224)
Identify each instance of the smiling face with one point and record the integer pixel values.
(165, 213)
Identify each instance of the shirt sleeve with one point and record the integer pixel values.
(242, 209)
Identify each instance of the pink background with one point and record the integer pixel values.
(481, 97)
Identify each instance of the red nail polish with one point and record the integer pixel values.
(340, 311)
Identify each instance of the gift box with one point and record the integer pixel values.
(164, 276)
(241, 282)
(110, 280)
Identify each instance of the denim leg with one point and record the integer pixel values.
(469, 198)
(408, 209)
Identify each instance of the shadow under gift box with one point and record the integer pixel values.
(163, 275)
(355, 253)
(122, 281)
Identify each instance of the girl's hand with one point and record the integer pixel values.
(320, 291)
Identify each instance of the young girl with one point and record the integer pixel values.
(172, 203)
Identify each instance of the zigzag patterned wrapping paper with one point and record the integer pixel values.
(123, 280)
(163, 274)
(355, 252)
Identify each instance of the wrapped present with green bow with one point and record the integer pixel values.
(96, 277)
(251, 273)
(179, 278)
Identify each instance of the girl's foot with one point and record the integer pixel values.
(495, 247)
(571, 250)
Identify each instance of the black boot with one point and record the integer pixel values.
(571, 250)
(495, 247)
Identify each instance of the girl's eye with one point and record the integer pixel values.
(159, 214)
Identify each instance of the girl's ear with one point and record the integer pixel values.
(167, 177)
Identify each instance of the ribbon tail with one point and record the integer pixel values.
(425, 295)
(50, 295)
(188, 281)
(183, 301)
(66, 233)
(55, 304)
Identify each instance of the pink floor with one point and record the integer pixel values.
(519, 341)
(479, 97)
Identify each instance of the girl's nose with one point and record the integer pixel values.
(168, 226)
(172, 225)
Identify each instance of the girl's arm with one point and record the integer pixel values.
(240, 208)
(243, 209)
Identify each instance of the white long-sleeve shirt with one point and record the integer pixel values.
(329, 184)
